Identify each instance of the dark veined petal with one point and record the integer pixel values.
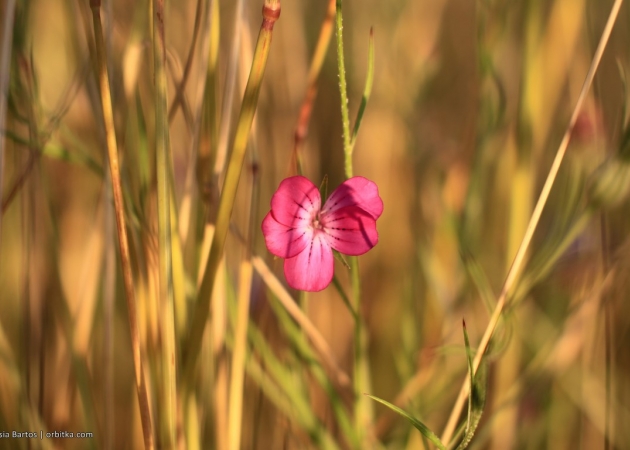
(282, 240)
(356, 191)
(350, 230)
(311, 269)
(296, 202)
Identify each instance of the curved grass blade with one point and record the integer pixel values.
(422, 428)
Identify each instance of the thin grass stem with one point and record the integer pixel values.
(235, 404)
(237, 372)
(112, 150)
(167, 410)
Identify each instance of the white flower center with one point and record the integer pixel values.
(315, 223)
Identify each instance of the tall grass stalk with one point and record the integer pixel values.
(271, 13)
(112, 151)
(167, 409)
(209, 130)
(519, 259)
(237, 372)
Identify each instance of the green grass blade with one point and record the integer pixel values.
(280, 382)
(311, 360)
(477, 402)
(367, 91)
(477, 397)
(422, 428)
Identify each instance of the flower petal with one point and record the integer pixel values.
(350, 230)
(282, 240)
(296, 202)
(356, 191)
(312, 269)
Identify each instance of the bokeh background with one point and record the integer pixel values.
(469, 104)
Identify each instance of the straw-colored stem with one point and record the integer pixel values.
(235, 405)
(271, 13)
(209, 129)
(108, 119)
(167, 316)
(519, 259)
(238, 356)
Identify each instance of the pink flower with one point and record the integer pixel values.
(298, 229)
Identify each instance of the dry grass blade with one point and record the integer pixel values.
(519, 259)
(108, 119)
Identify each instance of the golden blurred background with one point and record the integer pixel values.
(469, 105)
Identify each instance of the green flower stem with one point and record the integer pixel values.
(363, 410)
(110, 133)
(271, 13)
(343, 89)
